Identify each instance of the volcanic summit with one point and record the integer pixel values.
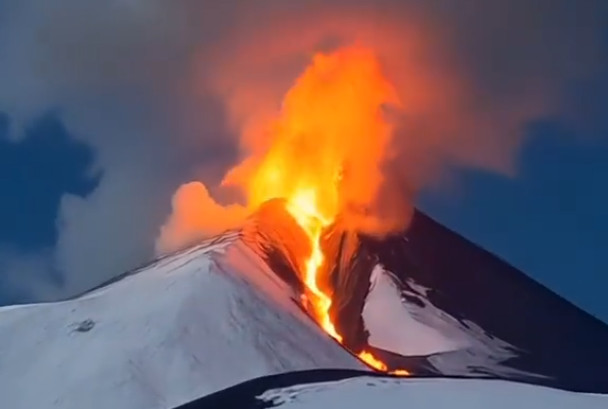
(235, 308)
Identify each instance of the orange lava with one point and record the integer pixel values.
(372, 361)
(322, 155)
(303, 209)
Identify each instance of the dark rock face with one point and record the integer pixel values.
(553, 342)
(521, 330)
(350, 289)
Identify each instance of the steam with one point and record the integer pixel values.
(171, 92)
(196, 214)
(446, 118)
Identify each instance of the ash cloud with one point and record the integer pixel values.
(164, 90)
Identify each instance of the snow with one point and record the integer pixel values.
(368, 392)
(188, 325)
(384, 307)
(453, 346)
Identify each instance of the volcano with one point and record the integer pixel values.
(227, 323)
(463, 312)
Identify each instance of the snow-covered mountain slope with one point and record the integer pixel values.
(326, 390)
(366, 393)
(233, 309)
(434, 303)
(187, 325)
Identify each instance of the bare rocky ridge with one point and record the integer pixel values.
(476, 315)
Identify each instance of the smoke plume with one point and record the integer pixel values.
(462, 101)
(188, 223)
(172, 92)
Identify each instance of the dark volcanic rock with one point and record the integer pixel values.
(552, 342)
(519, 330)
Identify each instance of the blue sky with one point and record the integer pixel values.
(549, 219)
(47, 164)
(34, 175)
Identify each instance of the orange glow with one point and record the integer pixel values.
(322, 156)
(304, 210)
(377, 364)
(325, 148)
(372, 361)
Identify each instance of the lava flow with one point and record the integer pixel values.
(303, 209)
(323, 156)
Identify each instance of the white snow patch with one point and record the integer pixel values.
(368, 392)
(192, 323)
(408, 328)
(393, 327)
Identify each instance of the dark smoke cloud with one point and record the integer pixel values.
(160, 89)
